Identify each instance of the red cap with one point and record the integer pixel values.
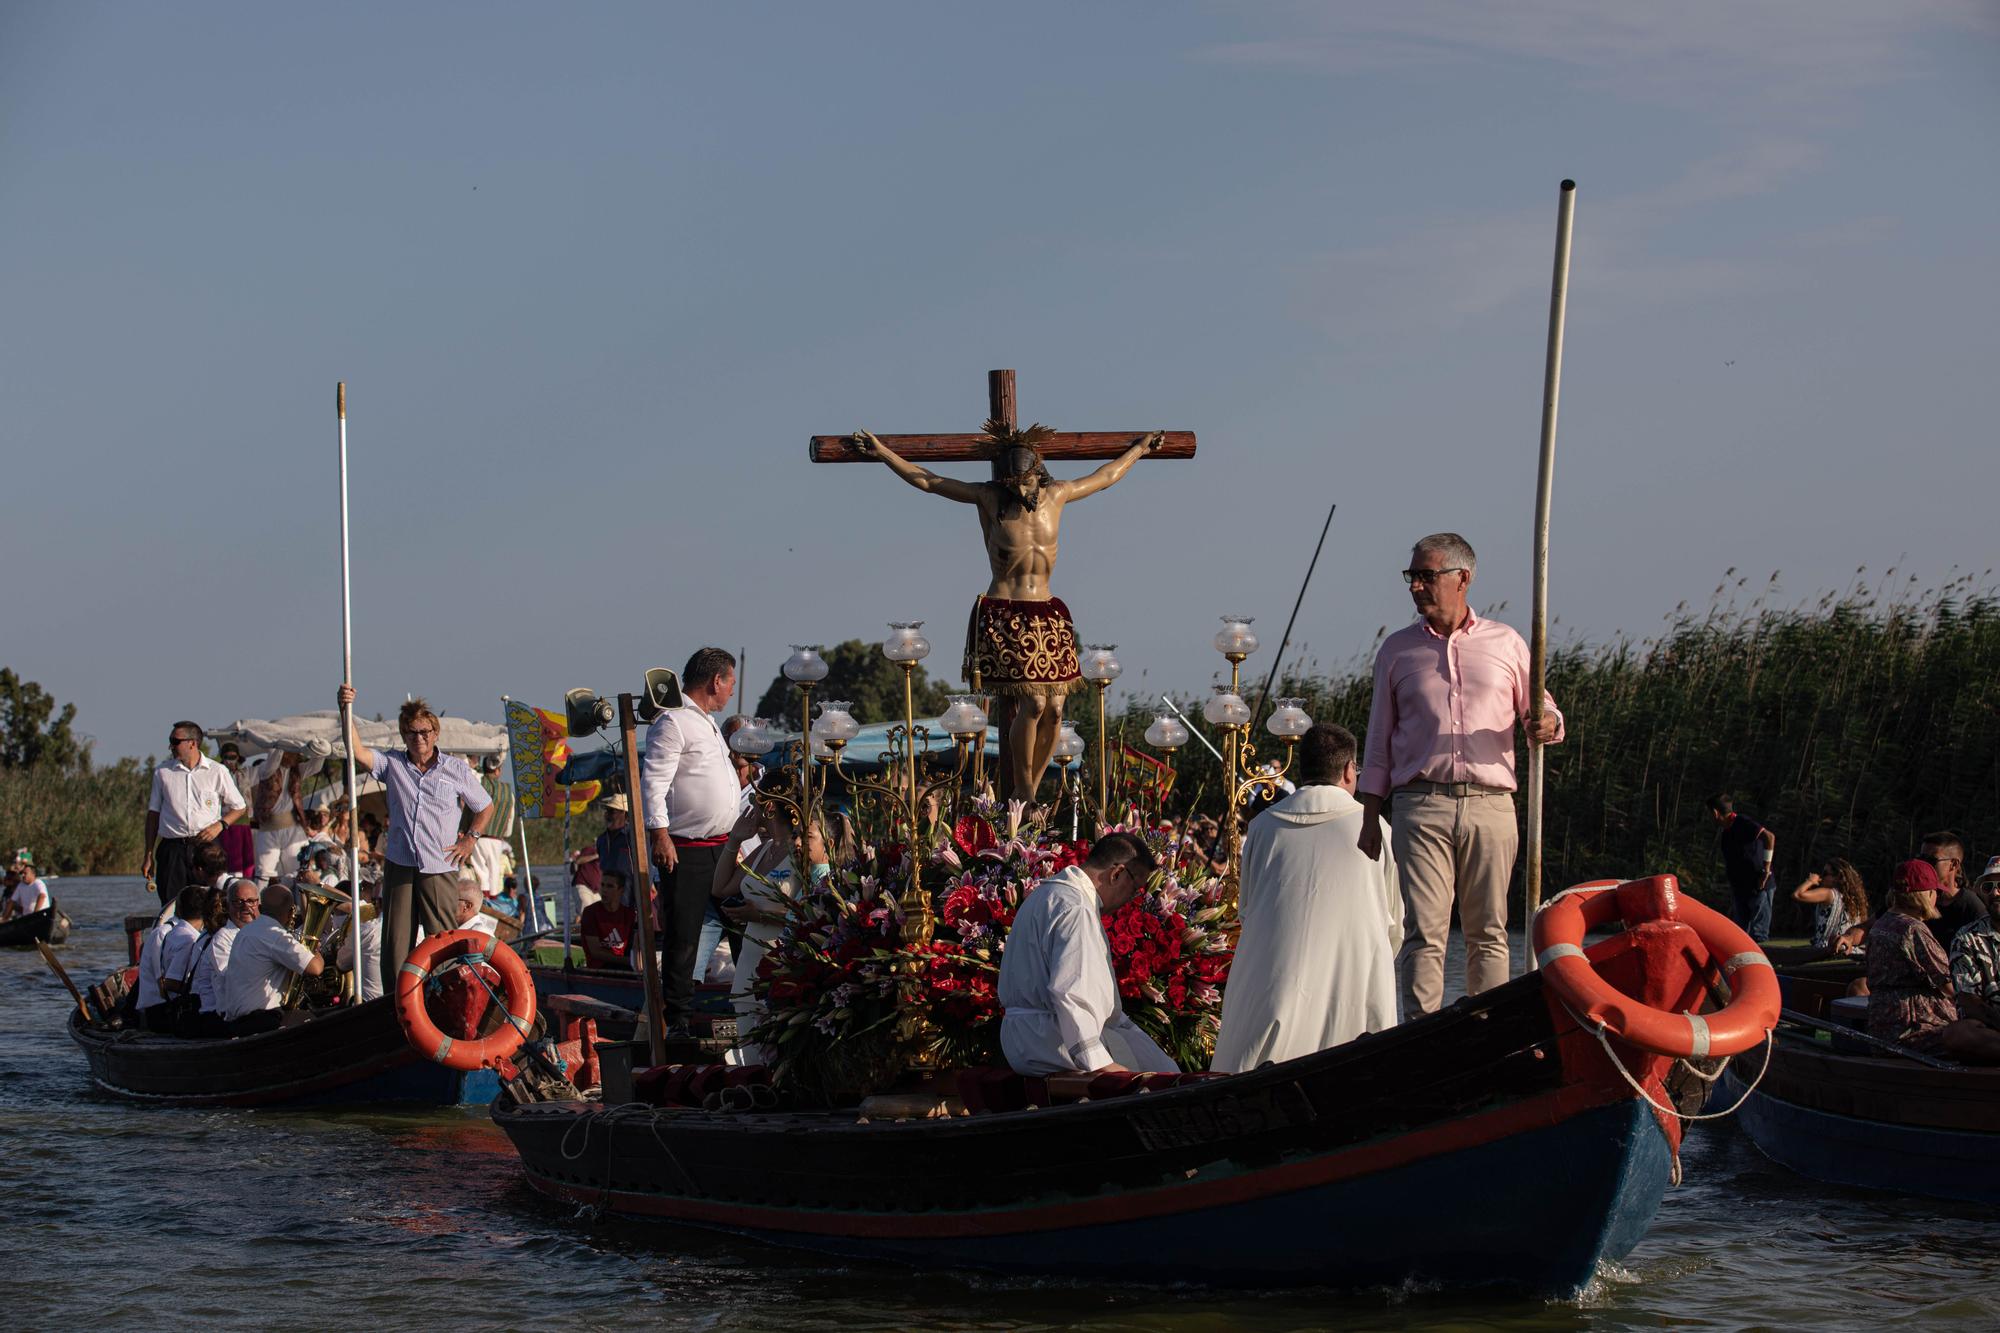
(1915, 877)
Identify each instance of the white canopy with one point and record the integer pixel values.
(318, 735)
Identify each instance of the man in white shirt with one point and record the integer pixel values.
(370, 987)
(193, 800)
(243, 903)
(1316, 963)
(262, 962)
(1057, 981)
(30, 894)
(691, 799)
(472, 909)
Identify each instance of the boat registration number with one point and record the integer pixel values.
(1241, 1115)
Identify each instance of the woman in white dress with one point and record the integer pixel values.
(755, 890)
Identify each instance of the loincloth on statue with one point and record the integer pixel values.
(1021, 648)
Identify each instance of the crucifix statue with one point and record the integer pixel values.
(1020, 647)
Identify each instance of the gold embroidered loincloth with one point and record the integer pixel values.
(1021, 647)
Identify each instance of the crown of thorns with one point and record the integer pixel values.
(1005, 437)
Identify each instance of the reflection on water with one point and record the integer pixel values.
(122, 1214)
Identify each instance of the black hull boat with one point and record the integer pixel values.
(48, 926)
(1498, 1143)
(354, 1056)
(1838, 1108)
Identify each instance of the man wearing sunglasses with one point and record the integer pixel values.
(429, 794)
(194, 799)
(1450, 690)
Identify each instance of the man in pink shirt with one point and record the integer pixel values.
(1449, 691)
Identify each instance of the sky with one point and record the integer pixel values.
(594, 274)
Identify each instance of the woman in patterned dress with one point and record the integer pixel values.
(1910, 994)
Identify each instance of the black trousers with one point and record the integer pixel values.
(173, 867)
(684, 894)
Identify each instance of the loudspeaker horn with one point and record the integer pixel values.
(663, 691)
(585, 713)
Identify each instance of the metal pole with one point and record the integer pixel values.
(1538, 642)
(530, 916)
(347, 710)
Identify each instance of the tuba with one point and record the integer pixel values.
(320, 903)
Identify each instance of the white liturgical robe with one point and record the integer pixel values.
(1060, 990)
(1316, 963)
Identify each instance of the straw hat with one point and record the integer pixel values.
(616, 801)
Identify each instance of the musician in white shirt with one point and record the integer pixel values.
(242, 903)
(193, 799)
(472, 909)
(262, 961)
(691, 796)
(371, 943)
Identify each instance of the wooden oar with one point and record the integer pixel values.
(1886, 1047)
(49, 957)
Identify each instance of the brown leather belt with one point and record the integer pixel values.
(1456, 790)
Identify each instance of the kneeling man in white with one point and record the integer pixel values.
(1316, 963)
(1057, 982)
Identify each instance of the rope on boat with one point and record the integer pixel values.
(1596, 1028)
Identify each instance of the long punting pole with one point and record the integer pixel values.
(347, 710)
(642, 870)
(1538, 643)
(1285, 641)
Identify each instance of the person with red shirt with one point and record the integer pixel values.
(609, 926)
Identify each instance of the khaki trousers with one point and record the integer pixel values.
(1452, 847)
(409, 900)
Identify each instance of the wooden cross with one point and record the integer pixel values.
(1079, 444)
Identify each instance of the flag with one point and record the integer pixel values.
(539, 741)
(1143, 773)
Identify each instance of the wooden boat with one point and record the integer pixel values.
(615, 985)
(48, 926)
(1492, 1144)
(1838, 1108)
(349, 1056)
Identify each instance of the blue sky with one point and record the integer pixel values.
(594, 273)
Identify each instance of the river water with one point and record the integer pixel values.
(116, 1215)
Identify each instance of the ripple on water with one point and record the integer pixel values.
(407, 1220)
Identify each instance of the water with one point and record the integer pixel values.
(117, 1215)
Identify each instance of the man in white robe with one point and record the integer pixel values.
(1057, 982)
(1316, 963)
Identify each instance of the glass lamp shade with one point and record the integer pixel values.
(835, 725)
(1235, 636)
(1069, 745)
(805, 666)
(1100, 662)
(964, 718)
(753, 738)
(821, 750)
(1166, 733)
(1289, 720)
(1225, 708)
(904, 644)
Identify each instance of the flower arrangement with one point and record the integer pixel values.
(852, 999)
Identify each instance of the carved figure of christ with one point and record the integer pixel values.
(1020, 641)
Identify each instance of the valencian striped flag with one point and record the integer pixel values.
(539, 741)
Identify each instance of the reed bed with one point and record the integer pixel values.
(1851, 725)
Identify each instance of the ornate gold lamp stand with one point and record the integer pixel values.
(1100, 666)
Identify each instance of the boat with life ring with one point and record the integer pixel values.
(349, 1055)
(1515, 1139)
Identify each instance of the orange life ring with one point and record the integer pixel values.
(1739, 1026)
(465, 1054)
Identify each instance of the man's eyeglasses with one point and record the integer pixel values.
(410, 735)
(242, 903)
(180, 740)
(1413, 577)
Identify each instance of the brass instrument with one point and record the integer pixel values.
(320, 903)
